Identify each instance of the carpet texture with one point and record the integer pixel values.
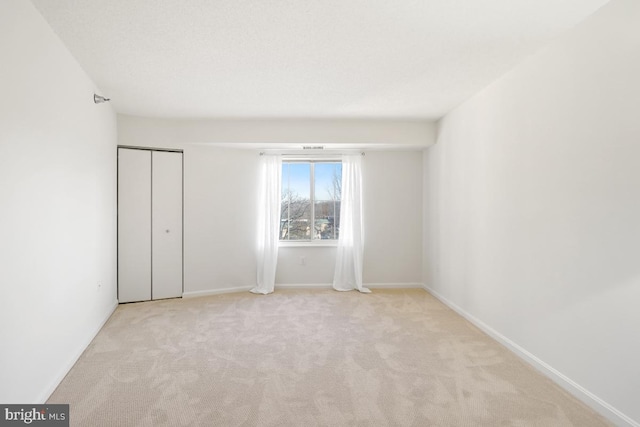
(307, 358)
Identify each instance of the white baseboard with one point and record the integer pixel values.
(195, 294)
(47, 392)
(559, 378)
(410, 285)
(304, 286)
(406, 285)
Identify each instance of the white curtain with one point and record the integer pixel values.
(348, 273)
(268, 222)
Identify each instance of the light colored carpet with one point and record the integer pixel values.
(307, 358)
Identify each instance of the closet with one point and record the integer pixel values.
(149, 224)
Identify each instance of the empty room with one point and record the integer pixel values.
(304, 213)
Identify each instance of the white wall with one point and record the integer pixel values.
(57, 187)
(220, 193)
(532, 210)
(392, 203)
(220, 204)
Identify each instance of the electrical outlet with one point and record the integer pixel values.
(303, 260)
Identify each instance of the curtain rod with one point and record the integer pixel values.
(326, 154)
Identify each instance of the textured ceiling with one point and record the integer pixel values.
(303, 58)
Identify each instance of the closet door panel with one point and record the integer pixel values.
(134, 225)
(167, 224)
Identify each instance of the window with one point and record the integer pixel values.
(310, 208)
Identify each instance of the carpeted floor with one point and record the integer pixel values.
(307, 358)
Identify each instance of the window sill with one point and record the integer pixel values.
(307, 243)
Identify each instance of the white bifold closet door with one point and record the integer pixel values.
(149, 224)
(166, 220)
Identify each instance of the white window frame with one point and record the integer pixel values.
(312, 161)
